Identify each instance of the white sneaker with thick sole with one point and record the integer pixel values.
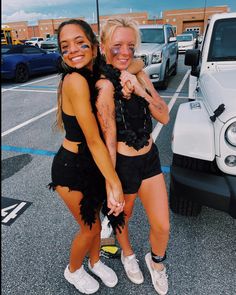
(105, 273)
(82, 281)
(159, 278)
(132, 268)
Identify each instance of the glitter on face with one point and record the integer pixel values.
(85, 46)
(64, 52)
(115, 51)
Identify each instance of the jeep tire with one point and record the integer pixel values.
(179, 204)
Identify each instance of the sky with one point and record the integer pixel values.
(33, 10)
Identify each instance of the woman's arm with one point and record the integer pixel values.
(144, 87)
(106, 115)
(76, 89)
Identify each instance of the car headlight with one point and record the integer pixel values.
(230, 134)
(156, 57)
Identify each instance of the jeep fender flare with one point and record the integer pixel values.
(193, 132)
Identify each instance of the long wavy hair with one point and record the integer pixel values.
(64, 67)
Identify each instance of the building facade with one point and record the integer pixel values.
(191, 19)
(182, 20)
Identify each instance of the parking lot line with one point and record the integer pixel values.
(31, 90)
(30, 83)
(158, 126)
(28, 122)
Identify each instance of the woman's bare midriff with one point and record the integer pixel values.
(71, 146)
(124, 149)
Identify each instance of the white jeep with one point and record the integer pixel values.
(203, 170)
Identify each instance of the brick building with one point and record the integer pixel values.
(182, 19)
(191, 19)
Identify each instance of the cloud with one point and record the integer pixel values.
(21, 15)
(11, 6)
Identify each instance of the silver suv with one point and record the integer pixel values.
(159, 51)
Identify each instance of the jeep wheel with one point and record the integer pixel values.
(178, 204)
(183, 206)
(22, 73)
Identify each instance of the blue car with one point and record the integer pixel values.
(19, 62)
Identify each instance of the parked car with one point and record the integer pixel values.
(19, 62)
(159, 51)
(203, 170)
(185, 42)
(200, 38)
(50, 44)
(35, 41)
(195, 36)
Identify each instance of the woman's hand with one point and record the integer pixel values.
(130, 84)
(115, 199)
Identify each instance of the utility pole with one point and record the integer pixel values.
(98, 23)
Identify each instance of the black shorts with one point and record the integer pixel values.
(132, 170)
(79, 172)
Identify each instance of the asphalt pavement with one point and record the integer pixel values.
(37, 229)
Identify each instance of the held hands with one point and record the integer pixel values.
(130, 84)
(115, 199)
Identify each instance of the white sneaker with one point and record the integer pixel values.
(82, 281)
(132, 268)
(106, 228)
(159, 278)
(105, 273)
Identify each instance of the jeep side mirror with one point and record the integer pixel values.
(172, 39)
(192, 58)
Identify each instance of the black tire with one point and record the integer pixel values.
(183, 206)
(179, 204)
(175, 67)
(164, 84)
(22, 73)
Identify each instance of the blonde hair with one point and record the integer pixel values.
(109, 28)
(112, 24)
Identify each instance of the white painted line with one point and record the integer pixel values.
(33, 90)
(28, 122)
(48, 78)
(158, 126)
(170, 96)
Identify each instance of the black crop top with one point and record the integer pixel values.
(133, 118)
(72, 128)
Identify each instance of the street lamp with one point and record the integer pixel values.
(98, 23)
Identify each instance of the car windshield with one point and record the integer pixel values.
(33, 39)
(223, 41)
(152, 35)
(184, 37)
(52, 38)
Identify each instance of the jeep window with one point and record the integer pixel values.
(152, 36)
(223, 41)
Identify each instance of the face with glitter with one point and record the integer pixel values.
(75, 47)
(119, 49)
